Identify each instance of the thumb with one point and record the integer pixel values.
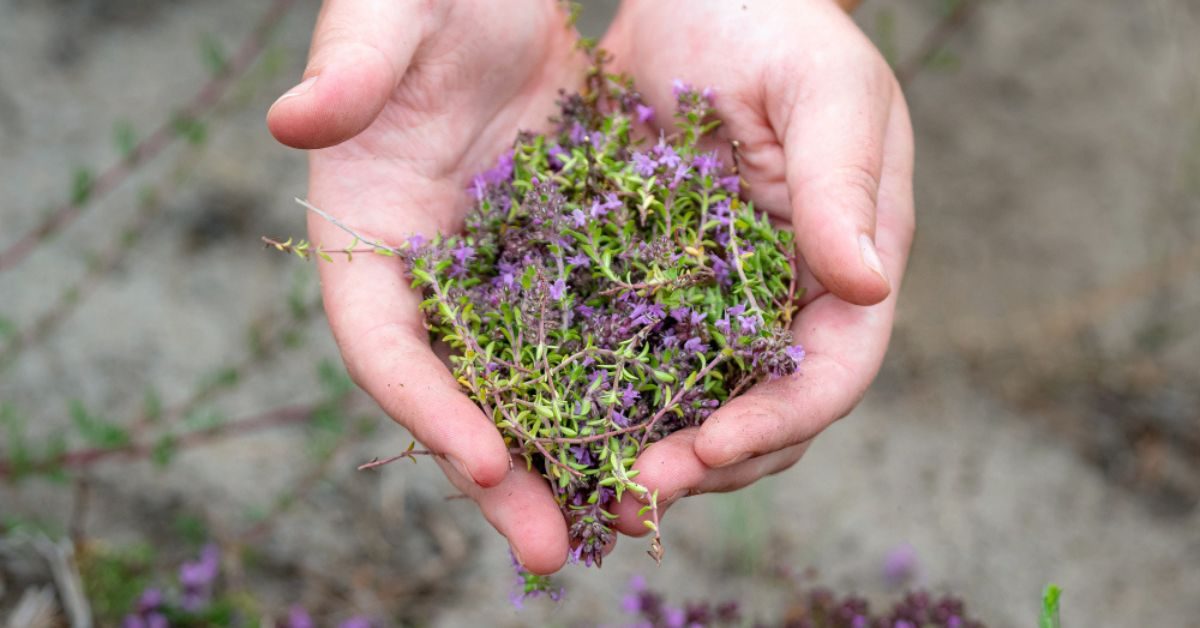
(360, 51)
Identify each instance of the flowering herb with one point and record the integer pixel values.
(608, 290)
(811, 608)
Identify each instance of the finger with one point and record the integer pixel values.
(360, 50)
(672, 468)
(833, 136)
(522, 509)
(845, 342)
(375, 319)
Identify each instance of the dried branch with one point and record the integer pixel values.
(152, 145)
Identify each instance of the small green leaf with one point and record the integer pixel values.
(81, 186)
(1050, 604)
(164, 450)
(125, 138)
(96, 430)
(213, 54)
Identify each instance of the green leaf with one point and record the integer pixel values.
(164, 450)
(224, 377)
(213, 54)
(81, 186)
(96, 430)
(190, 129)
(1050, 602)
(125, 138)
(335, 383)
(152, 405)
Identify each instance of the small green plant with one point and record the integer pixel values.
(1050, 600)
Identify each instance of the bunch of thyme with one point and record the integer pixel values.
(608, 290)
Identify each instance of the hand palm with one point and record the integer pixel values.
(485, 71)
(825, 147)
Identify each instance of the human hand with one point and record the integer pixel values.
(825, 146)
(404, 102)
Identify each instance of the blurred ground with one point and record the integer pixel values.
(1038, 419)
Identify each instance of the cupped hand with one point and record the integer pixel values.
(403, 102)
(825, 146)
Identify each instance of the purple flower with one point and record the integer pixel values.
(558, 289)
(579, 259)
(508, 274)
(577, 133)
(150, 620)
(645, 113)
(748, 324)
(478, 187)
(150, 600)
(463, 252)
(679, 88)
(796, 353)
(736, 310)
(707, 163)
(299, 618)
(682, 173)
(722, 325)
(665, 154)
(502, 171)
(203, 572)
(643, 164)
(555, 154)
(629, 395)
(721, 212)
(197, 577)
(694, 345)
(356, 622)
(582, 454)
(674, 617)
(732, 183)
(578, 217)
(903, 623)
(416, 241)
(721, 270)
(620, 419)
(900, 564)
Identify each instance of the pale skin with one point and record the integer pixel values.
(412, 98)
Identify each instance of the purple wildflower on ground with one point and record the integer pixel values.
(198, 577)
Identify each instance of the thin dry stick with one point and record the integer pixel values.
(162, 137)
(74, 294)
(82, 458)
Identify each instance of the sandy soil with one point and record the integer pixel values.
(1037, 420)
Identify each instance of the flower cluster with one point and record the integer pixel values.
(816, 608)
(197, 603)
(609, 289)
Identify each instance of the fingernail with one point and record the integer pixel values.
(460, 467)
(870, 256)
(302, 88)
(516, 555)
